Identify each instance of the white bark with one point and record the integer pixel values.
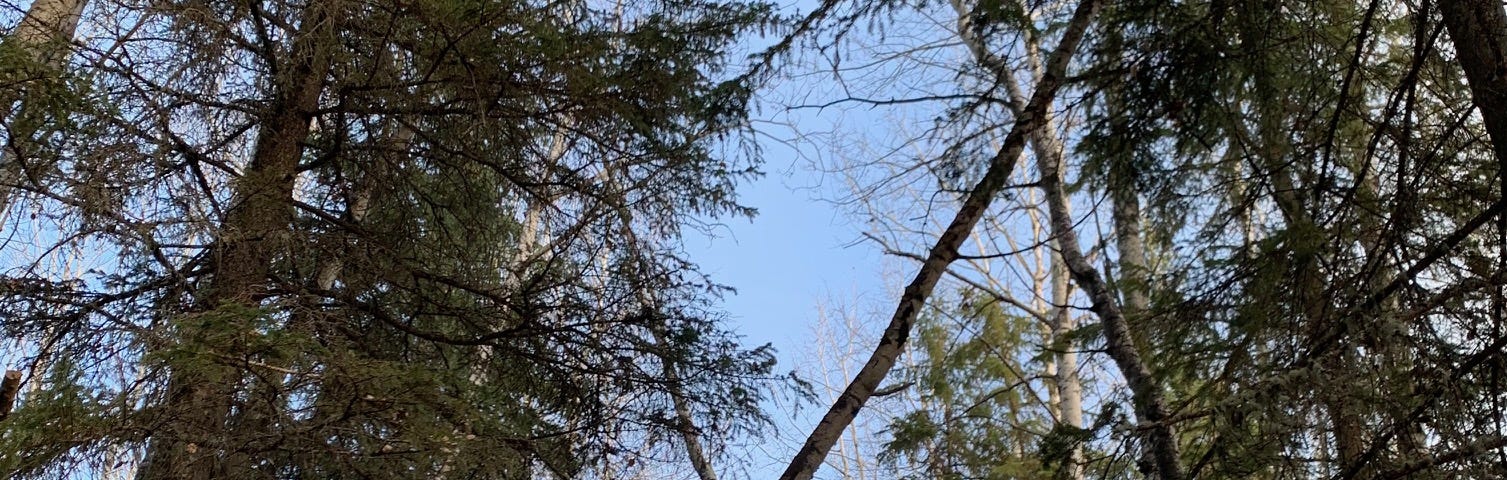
(1067, 395)
(811, 455)
(1146, 393)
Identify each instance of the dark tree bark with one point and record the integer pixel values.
(811, 455)
(1479, 31)
(193, 444)
(8, 390)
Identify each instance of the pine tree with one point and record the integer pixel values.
(388, 240)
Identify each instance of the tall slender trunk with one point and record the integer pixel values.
(1146, 392)
(195, 442)
(811, 455)
(1133, 275)
(1067, 394)
(1048, 148)
(1068, 385)
(685, 424)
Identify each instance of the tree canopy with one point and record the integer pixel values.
(444, 238)
(339, 239)
(1280, 225)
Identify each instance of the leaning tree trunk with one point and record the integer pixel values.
(811, 455)
(192, 443)
(685, 424)
(1067, 396)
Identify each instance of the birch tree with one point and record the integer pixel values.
(942, 254)
(1268, 203)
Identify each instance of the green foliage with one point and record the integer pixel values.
(981, 416)
(1313, 182)
(481, 276)
(54, 424)
(1283, 167)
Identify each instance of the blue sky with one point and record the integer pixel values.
(799, 251)
(802, 252)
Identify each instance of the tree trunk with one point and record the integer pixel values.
(1133, 279)
(195, 442)
(9, 387)
(811, 455)
(1479, 31)
(1067, 393)
(1146, 393)
(1069, 387)
(1048, 148)
(685, 424)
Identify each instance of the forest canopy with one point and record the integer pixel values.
(446, 238)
